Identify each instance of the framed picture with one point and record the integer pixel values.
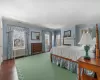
(67, 33)
(35, 35)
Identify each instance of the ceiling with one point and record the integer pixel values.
(52, 13)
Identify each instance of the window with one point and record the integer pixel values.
(18, 39)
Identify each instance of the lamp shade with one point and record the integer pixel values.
(86, 39)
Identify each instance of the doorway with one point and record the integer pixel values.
(58, 40)
(47, 42)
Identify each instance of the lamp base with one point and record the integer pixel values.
(87, 58)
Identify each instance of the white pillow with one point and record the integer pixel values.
(92, 48)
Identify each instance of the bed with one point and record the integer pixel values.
(71, 52)
(67, 56)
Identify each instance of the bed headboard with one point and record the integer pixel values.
(97, 42)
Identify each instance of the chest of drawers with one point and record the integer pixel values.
(36, 48)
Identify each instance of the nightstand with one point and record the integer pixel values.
(93, 65)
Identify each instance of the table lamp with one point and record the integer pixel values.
(86, 40)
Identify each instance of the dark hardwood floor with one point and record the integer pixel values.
(8, 70)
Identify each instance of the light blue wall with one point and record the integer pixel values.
(73, 33)
(81, 27)
(86, 26)
(31, 27)
(4, 40)
(76, 31)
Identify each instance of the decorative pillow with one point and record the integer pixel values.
(93, 50)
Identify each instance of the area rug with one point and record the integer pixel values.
(39, 67)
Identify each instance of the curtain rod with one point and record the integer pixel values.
(16, 26)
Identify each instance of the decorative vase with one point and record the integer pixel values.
(86, 48)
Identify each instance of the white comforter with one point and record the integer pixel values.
(71, 52)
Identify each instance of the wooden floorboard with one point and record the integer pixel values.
(8, 70)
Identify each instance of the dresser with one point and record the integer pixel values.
(36, 48)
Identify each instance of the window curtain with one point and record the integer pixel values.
(10, 30)
(9, 45)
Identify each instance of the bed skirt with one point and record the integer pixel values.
(69, 65)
